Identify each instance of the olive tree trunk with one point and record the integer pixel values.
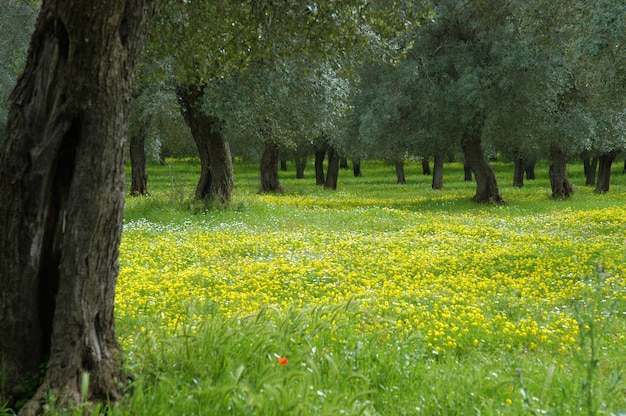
(138, 165)
(590, 166)
(561, 186)
(320, 154)
(356, 168)
(401, 178)
(332, 173)
(216, 171)
(486, 185)
(270, 181)
(62, 181)
(518, 172)
(437, 182)
(604, 171)
(426, 167)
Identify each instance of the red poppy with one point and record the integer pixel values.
(282, 360)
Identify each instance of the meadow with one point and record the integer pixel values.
(375, 299)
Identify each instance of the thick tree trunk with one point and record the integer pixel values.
(604, 172)
(356, 168)
(529, 168)
(343, 163)
(332, 173)
(561, 186)
(425, 167)
(62, 178)
(437, 182)
(269, 169)
(518, 172)
(590, 166)
(301, 161)
(320, 154)
(467, 173)
(216, 172)
(486, 184)
(138, 165)
(283, 165)
(401, 178)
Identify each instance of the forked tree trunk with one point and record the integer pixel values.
(62, 181)
(561, 186)
(216, 172)
(138, 165)
(356, 168)
(486, 185)
(332, 172)
(604, 172)
(301, 161)
(437, 182)
(590, 166)
(401, 178)
(425, 167)
(269, 169)
(518, 172)
(320, 154)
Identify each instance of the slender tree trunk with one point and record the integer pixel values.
(604, 172)
(320, 154)
(425, 167)
(138, 165)
(62, 177)
(518, 172)
(333, 169)
(283, 165)
(437, 182)
(486, 184)
(343, 163)
(561, 186)
(529, 168)
(399, 164)
(590, 166)
(269, 169)
(301, 161)
(216, 173)
(356, 168)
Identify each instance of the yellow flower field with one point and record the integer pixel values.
(457, 281)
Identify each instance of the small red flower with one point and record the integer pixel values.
(282, 360)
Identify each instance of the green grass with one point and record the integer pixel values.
(386, 299)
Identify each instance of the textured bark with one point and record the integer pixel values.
(401, 178)
(301, 161)
(426, 167)
(269, 169)
(62, 177)
(529, 168)
(332, 173)
(486, 184)
(138, 165)
(356, 168)
(320, 154)
(216, 172)
(518, 172)
(591, 166)
(561, 186)
(437, 182)
(604, 172)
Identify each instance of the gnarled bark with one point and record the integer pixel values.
(561, 186)
(138, 165)
(604, 172)
(270, 181)
(332, 172)
(216, 172)
(62, 177)
(486, 185)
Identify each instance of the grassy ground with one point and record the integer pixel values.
(375, 299)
